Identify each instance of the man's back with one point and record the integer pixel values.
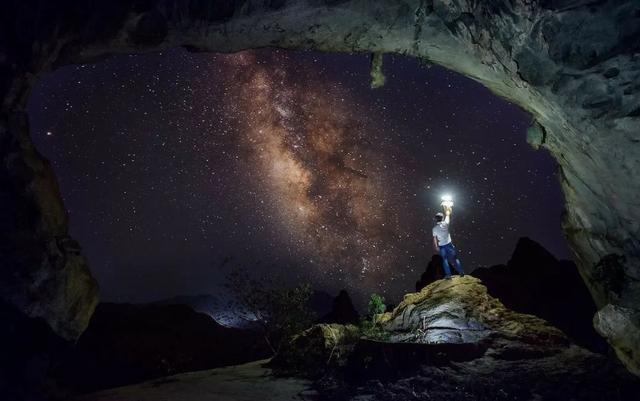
(441, 231)
(442, 242)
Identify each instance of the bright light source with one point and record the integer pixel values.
(447, 200)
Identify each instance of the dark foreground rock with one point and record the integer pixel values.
(128, 343)
(433, 272)
(536, 283)
(317, 351)
(453, 341)
(247, 382)
(342, 310)
(572, 64)
(572, 374)
(29, 351)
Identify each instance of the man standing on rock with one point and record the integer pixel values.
(442, 240)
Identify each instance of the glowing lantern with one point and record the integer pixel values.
(447, 201)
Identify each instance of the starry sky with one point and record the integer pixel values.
(175, 166)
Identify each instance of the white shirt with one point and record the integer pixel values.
(441, 231)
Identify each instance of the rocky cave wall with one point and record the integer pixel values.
(573, 64)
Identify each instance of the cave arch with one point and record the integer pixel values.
(573, 65)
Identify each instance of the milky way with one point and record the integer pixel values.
(314, 161)
(172, 163)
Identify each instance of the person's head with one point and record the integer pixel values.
(439, 217)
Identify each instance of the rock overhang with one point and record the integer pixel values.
(573, 65)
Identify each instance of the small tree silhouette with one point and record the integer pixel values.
(376, 305)
(278, 312)
(368, 326)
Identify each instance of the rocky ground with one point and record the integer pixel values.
(248, 382)
(450, 341)
(127, 344)
(453, 341)
(572, 64)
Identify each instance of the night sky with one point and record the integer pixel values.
(285, 163)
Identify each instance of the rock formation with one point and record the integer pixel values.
(536, 283)
(572, 64)
(343, 311)
(128, 343)
(30, 350)
(432, 272)
(460, 311)
(453, 341)
(320, 302)
(317, 350)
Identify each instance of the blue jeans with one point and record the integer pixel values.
(448, 252)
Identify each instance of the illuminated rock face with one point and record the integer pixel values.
(460, 311)
(573, 64)
(452, 341)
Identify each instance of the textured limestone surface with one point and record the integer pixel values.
(621, 326)
(452, 341)
(460, 311)
(573, 64)
(317, 349)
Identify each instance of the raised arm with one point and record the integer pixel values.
(447, 214)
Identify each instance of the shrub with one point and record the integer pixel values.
(277, 311)
(368, 327)
(376, 305)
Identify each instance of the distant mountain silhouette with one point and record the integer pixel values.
(535, 282)
(210, 305)
(432, 273)
(128, 343)
(203, 303)
(342, 311)
(320, 303)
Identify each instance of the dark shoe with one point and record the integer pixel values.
(447, 277)
(461, 274)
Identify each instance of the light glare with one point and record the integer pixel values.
(447, 200)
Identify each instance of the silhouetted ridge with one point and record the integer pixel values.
(432, 273)
(128, 343)
(535, 282)
(343, 311)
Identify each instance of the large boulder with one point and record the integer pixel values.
(454, 341)
(536, 283)
(573, 65)
(321, 348)
(611, 321)
(42, 270)
(342, 311)
(460, 311)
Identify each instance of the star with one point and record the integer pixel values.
(170, 161)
